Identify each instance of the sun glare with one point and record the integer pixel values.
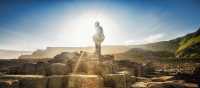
(82, 27)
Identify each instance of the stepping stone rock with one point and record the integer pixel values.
(57, 69)
(56, 81)
(9, 83)
(165, 85)
(139, 85)
(28, 69)
(28, 81)
(143, 79)
(83, 81)
(162, 78)
(41, 68)
(115, 80)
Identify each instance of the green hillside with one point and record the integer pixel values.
(189, 46)
(141, 55)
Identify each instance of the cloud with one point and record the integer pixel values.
(149, 39)
(154, 38)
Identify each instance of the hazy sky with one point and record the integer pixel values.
(29, 25)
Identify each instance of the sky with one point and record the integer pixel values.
(37, 24)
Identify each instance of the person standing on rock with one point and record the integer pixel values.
(98, 38)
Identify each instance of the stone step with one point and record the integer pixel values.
(69, 81)
(28, 81)
(4, 83)
(55, 81)
(84, 81)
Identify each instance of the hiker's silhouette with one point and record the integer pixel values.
(98, 38)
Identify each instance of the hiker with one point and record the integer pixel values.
(98, 38)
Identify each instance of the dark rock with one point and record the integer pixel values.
(64, 56)
(139, 85)
(162, 78)
(56, 81)
(143, 79)
(115, 80)
(41, 68)
(136, 69)
(107, 58)
(28, 81)
(165, 85)
(196, 75)
(28, 68)
(83, 81)
(57, 69)
(9, 83)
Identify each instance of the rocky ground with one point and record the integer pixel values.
(84, 70)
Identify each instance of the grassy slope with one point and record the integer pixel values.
(190, 46)
(187, 46)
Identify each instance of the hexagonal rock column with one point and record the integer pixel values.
(83, 81)
(115, 81)
(55, 81)
(9, 83)
(93, 67)
(28, 81)
(57, 69)
(28, 69)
